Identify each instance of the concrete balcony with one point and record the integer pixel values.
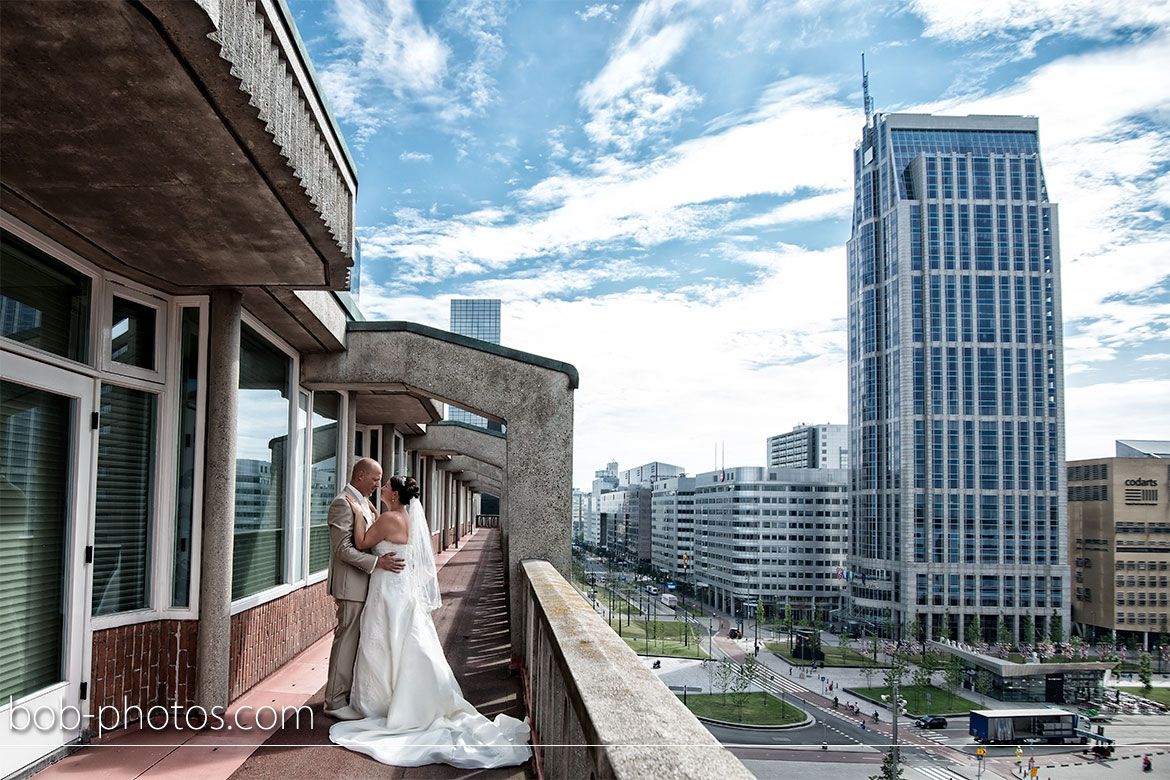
(595, 709)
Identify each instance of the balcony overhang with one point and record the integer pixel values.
(467, 467)
(181, 144)
(453, 438)
(532, 395)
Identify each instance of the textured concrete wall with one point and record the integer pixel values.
(596, 708)
(532, 395)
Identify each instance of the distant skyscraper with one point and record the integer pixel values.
(649, 473)
(810, 447)
(956, 380)
(478, 318)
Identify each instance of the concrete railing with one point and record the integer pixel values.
(597, 711)
(487, 521)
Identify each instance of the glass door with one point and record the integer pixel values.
(46, 449)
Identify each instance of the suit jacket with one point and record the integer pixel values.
(349, 567)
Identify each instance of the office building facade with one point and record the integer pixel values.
(625, 518)
(672, 521)
(1119, 539)
(956, 397)
(777, 535)
(478, 318)
(810, 447)
(649, 473)
(604, 480)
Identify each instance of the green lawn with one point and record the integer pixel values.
(1160, 695)
(666, 638)
(941, 702)
(759, 708)
(834, 656)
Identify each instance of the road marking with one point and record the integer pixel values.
(932, 773)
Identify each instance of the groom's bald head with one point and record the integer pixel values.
(366, 476)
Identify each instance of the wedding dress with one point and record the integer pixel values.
(415, 710)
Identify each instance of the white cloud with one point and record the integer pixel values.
(598, 10)
(962, 21)
(688, 193)
(662, 373)
(1097, 415)
(415, 157)
(391, 45)
(1160, 357)
(633, 98)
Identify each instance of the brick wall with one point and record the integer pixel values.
(266, 637)
(144, 665)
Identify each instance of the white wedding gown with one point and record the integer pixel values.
(415, 711)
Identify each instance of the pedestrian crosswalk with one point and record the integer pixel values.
(934, 773)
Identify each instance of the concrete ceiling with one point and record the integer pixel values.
(120, 125)
(394, 408)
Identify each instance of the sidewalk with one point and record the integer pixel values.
(473, 627)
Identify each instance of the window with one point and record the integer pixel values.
(43, 302)
(132, 333)
(124, 500)
(323, 483)
(262, 442)
(187, 471)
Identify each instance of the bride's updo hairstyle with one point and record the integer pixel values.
(406, 488)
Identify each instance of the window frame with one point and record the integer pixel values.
(163, 383)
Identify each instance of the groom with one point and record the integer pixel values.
(349, 579)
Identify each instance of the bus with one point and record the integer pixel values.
(670, 600)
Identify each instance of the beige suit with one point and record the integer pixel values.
(349, 579)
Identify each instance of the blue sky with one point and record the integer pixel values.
(660, 191)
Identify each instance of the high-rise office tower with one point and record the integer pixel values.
(478, 318)
(956, 381)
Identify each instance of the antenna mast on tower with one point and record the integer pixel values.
(866, 99)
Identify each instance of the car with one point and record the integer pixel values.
(931, 722)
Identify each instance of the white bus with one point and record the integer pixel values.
(670, 600)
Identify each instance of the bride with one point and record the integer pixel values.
(414, 710)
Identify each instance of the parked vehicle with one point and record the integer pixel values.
(652, 590)
(669, 599)
(1014, 726)
(931, 722)
(733, 633)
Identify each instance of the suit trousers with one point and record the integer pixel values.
(343, 653)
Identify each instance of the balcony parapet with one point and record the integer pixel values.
(596, 709)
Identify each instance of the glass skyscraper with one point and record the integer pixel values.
(956, 393)
(478, 318)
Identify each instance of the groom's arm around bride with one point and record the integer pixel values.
(349, 579)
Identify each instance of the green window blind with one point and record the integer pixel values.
(124, 500)
(322, 476)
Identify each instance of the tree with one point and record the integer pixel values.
(889, 769)
(953, 675)
(921, 677)
(788, 621)
(942, 630)
(1146, 673)
(974, 631)
(868, 667)
(1029, 630)
(1055, 628)
(914, 630)
(983, 683)
(722, 674)
(1003, 633)
(739, 684)
(759, 613)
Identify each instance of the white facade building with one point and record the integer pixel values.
(810, 447)
(772, 534)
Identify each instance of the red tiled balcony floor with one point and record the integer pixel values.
(473, 627)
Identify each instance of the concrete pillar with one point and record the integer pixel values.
(219, 501)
